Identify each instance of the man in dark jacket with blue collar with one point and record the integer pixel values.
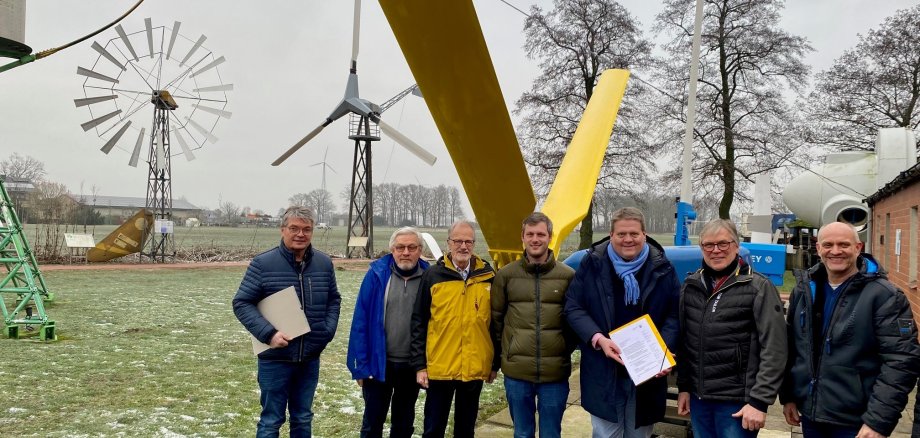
(289, 370)
(615, 284)
(853, 352)
(378, 348)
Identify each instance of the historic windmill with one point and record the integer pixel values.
(154, 70)
(364, 125)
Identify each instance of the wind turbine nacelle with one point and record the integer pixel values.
(13, 29)
(834, 191)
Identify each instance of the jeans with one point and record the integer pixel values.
(400, 388)
(525, 398)
(287, 385)
(625, 427)
(811, 429)
(714, 419)
(437, 407)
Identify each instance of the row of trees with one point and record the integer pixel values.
(755, 111)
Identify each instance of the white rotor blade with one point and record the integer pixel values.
(198, 44)
(432, 245)
(98, 120)
(105, 53)
(356, 32)
(92, 100)
(405, 142)
(107, 147)
(211, 137)
(149, 25)
(210, 65)
(125, 40)
(137, 149)
(161, 153)
(189, 156)
(215, 111)
(225, 87)
(172, 38)
(91, 74)
(299, 144)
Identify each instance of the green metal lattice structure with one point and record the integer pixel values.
(22, 285)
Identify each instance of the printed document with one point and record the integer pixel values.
(283, 311)
(643, 351)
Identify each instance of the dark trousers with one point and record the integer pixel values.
(811, 429)
(437, 407)
(287, 386)
(401, 389)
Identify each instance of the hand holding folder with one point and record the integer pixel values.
(283, 311)
(643, 351)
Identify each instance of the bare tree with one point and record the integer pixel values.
(576, 41)
(229, 212)
(320, 201)
(23, 167)
(876, 84)
(747, 61)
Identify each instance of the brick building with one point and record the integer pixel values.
(895, 239)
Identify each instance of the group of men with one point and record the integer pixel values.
(842, 360)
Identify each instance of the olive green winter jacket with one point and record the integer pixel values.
(531, 338)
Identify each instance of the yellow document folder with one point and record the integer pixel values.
(643, 351)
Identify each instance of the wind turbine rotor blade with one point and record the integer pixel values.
(149, 26)
(211, 137)
(210, 65)
(107, 147)
(172, 38)
(218, 112)
(189, 156)
(92, 100)
(300, 144)
(161, 152)
(356, 33)
(405, 142)
(194, 48)
(124, 39)
(91, 74)
(136, 153)
(225, 87)
(98, 120)
(105, 53)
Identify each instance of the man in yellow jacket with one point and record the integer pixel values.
(451, 346)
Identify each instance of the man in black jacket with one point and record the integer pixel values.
(853, 352)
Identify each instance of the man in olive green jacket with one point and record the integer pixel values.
(533, 344)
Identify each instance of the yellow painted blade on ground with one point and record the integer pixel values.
(127, 239)
(571, 193)
(443, 44)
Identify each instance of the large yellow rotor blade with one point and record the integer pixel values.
(127, 239)
(443, 44)
(571, 193)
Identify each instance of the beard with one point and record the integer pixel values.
(406, 265)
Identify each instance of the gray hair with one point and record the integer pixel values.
(627, 213)
(535, 218)
(405, 231)
(461, 222)
(715, 225)
(297, 212)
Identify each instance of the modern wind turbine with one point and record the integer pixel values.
(321, 214)
(363, 113)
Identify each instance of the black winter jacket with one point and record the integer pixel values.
(734, 341)
(590, 309)
(275, 270)
(862, 371)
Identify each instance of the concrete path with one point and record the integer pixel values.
(576, 423)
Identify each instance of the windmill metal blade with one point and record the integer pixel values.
(91, 74)
(105, 53)
(405, 142)
(149, 25)
(172, 38)
(300, 143)
(356, 32)
(211, 137)
(124, 39)
(210, 65)
(194, 48)
(189, 156)
(225, 87)
(92, 100)
(107, 147)
(219, 112)
(161, 153)
(98, 120)
(137, 149)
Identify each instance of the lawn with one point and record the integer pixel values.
(160, 353)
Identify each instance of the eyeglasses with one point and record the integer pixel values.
(297, 230)
(460, 242)
(710, 246)
(401, 248)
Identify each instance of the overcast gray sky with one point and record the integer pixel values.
(288, 61)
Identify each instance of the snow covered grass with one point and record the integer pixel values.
(160, 353)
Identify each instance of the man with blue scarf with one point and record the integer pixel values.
(616, 283)
(853, 353)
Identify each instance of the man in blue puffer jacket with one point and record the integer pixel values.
(378, 347)
(288, 372)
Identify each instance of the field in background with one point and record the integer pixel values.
(160, 353)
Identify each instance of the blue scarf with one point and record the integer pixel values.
(627, 272)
